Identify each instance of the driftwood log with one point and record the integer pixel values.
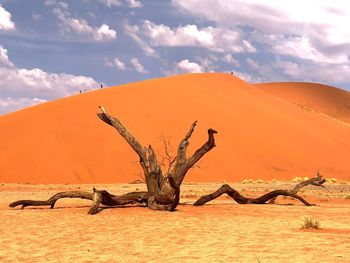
(269, 197)
(163, 190)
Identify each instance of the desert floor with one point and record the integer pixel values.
(221, 231)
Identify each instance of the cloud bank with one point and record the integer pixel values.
(21, 87)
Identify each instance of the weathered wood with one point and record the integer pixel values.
(316, 181)
(182, 163)
(163, 191)
(154, 176)
(176, 188)
(96, 199)
(271, 196)
(52, 200)
(131, 140)
(106, 199)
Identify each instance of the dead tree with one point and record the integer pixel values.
(163, 190)
(269, 197)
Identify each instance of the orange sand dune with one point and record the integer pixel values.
(313, 97)
(260, 136)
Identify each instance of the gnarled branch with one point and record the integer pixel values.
(182, 163)
(132, 141)
(235, 195)
(52, 200)
(210, 144)
(106, 198)
(96, 199)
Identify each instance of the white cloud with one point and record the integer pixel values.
(4, 59)
(318, 28)
(252, 63)
(21, 87)
(111, 3)
(246, 76)
(200, 65)
(138, 66)
(119, 64)
(310, 39)
(188, 35)
(128, 3)
(13, 104)
(35, 82)
(104, 32)
(289, 68)
(6, 23)
(49, 2)
(208, 64)
(134, 31)
(263, 72)
(321, 73)
(72, 26)
(300, 47)
(134, 3)
(185, 66)
(278, 17)
(231, 60)
(216, 39)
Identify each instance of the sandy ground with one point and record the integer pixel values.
(221, 231)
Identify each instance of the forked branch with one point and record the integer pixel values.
(182, 163)
(210, 144)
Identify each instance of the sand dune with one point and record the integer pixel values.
(320, 98)
(260, 136)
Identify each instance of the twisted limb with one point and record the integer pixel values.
(269, 197)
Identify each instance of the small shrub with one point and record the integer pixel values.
(331, 180)
(310, 222)
(297, 180)
(259, 181)
(247, 181)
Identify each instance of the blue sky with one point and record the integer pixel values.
(52, 49)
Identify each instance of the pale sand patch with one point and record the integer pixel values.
(222, 231)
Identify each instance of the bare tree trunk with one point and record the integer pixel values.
(163, 191)
(235, 195)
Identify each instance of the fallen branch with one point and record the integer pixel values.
(271, 196)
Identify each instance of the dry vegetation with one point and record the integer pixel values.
(310, 222)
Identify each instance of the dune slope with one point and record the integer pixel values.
(260, 136)
(320, 98)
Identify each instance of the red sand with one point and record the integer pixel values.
(313, 97)
(260, 136)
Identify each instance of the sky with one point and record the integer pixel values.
(51, 49)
